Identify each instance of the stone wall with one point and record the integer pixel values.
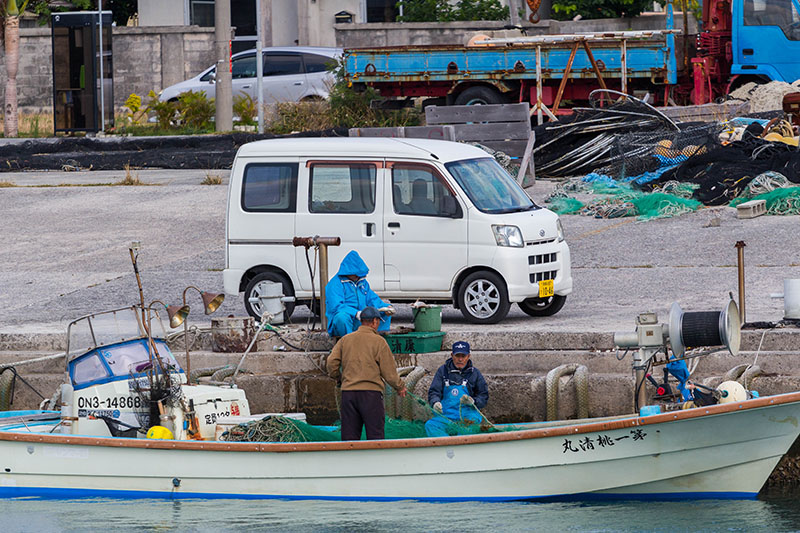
(145, 59)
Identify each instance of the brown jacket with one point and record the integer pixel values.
(362, 358)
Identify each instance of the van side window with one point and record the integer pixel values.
(270, 187)
(417, 190)
(342, 188)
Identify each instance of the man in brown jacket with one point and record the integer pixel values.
(363, 361)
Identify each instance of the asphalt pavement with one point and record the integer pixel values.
(65, 237)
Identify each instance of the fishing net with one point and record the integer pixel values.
(565, 206)
(284, 429)
(158, 389)
(785, 201)
(723, 174)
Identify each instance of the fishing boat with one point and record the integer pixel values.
(123, 383)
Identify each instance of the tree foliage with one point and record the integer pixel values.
(598, 9)
(121, 10)
(445, 11)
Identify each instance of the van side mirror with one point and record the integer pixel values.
(212, 77)
(450, 207)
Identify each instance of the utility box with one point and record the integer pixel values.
(83, 88)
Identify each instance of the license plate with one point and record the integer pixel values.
(545, 288)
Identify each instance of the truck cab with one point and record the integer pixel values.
(766, 39)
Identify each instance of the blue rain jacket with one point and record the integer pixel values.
(681, 373)
(476, 385)
(345, 296)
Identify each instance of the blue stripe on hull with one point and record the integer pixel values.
(66, 494)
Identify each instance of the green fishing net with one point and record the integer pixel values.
(284, 429)
(784, 201)
(565, 206)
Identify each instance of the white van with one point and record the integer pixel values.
(433, 220)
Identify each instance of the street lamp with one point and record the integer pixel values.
(211, 302)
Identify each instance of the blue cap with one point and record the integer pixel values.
(461, 347)
(369, 313)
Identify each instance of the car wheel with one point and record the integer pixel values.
(543, 306)
(483, 299)
(257, 287)
(480, 95)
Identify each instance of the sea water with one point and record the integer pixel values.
(770, 512)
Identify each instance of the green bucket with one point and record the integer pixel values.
(428, 318)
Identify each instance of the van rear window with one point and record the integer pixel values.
(270, 187)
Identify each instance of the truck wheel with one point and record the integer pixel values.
(256, 287)
(480, 95)
(483, 299)
(542, 306)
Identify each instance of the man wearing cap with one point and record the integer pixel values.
(363, 361)
(456, 393)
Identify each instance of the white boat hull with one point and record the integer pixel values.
(723, 451)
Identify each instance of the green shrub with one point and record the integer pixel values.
(165, 112)
(245, 108)
(445, 11)
(598, 9)
(195, 109)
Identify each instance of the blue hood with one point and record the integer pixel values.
(352, 264)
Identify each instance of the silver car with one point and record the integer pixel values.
(291, 74)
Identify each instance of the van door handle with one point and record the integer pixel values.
(245, 86)
(298, 83)
(394, 225)
(369, 229)
(747, 51)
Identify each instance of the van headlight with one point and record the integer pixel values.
(559, 230)
(508, 236)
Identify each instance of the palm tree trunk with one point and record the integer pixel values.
(12, 63)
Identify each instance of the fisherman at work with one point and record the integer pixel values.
(347, 293)
(363, 361)
(457, 392)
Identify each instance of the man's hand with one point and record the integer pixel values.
(358, 315)
(437, 407)
(402, 392)
(467, 400)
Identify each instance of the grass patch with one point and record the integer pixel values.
(32, 125)
(6, 184)
(130, 178)
(212, 179)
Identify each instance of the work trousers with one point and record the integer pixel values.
(362, 409)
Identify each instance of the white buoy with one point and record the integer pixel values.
(731, 391)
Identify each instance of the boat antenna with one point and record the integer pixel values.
(134, 250)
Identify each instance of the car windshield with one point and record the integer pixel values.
(489, 186)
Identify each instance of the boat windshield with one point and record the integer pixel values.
(109, 327)
(489, 186)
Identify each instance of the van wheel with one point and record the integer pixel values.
(257, 286)
(483, 299)
(542, 306)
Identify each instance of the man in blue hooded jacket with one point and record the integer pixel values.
(456, 393)
(347, 293)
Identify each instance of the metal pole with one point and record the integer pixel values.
(740, 253)
(539, 118)
(102, 80)
(638, 363)
(624, 66)
(222, 39)
(259, 68)
(323, 280)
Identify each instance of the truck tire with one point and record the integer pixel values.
(255, 288)
(483, 298)
(480, 95)
(542, 306)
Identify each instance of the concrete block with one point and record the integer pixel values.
(751, 209)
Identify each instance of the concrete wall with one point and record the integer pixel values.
(145, 59)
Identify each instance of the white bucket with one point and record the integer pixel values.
(791, 298)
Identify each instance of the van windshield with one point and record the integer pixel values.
(489, 186)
